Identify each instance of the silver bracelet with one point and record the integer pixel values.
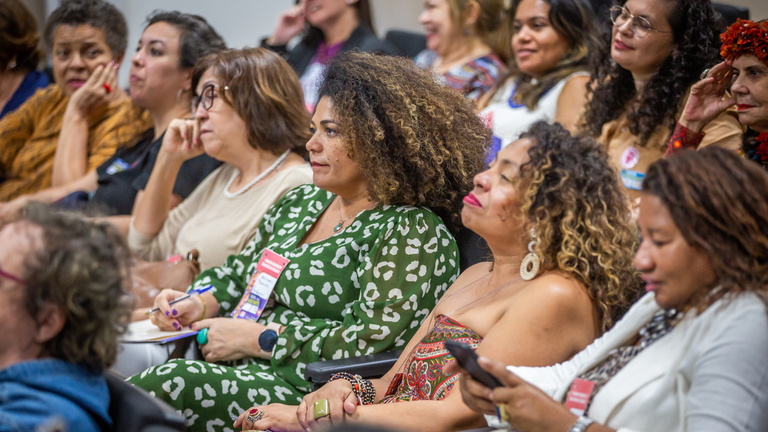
(581, 424)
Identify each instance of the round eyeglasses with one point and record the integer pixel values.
(640, 26)
(206, 97)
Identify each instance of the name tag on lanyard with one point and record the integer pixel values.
(578, 396)
(262, 282)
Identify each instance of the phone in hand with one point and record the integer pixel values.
(467, 359)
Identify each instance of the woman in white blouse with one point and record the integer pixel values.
(249, 114)
(551, 41)
(689, 356)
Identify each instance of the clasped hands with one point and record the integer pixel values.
(286, 418)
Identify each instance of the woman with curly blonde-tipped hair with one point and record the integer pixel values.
(559, 229)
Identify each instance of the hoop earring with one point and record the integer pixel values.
(12, 65)
(531, 263)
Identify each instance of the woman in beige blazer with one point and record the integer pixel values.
(689, 356)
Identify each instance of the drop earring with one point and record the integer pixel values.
(531, 263)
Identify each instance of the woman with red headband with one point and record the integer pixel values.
(745, 69)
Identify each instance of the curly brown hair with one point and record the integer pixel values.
(82, 269)
(581, 218)
(612, 88)
(417, 142)
(718, 202)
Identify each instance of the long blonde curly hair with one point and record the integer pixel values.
(571, 200)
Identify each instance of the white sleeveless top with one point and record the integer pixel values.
(509, 120)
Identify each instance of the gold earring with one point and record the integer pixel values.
(531, 263)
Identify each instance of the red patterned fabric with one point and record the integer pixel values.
(423, 378)
(683, 138)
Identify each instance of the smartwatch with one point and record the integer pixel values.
(268, 340)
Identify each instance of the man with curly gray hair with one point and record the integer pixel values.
(63, 305)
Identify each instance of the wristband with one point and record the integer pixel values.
(362, 388)
(205, 308)
(683, 138)
(582, 423)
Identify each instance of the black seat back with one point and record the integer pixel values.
(731, 13)
(134, 410)
(408, 43)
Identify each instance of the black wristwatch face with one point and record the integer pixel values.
(267, 340)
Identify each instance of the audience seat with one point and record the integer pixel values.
(368, 366)
(731, 13)
(133, 410)
(409, 44)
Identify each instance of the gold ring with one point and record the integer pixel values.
(503, 416)
(321, 408)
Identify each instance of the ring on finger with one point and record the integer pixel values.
(321, 409)
(502, 409)
(253, 418)
(705, 73)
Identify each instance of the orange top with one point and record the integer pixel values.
(632, 160)
(29, 135)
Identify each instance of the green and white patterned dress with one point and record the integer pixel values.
(363, 290)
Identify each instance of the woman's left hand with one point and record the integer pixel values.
(276, 418)
(229, 339)
(528, 408)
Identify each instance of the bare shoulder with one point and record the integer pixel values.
(575, 87)
(558, 296)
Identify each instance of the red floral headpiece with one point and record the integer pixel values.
(745, 37)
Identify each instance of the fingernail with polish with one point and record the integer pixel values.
(190, 326)
(167, 314)
(174, 312)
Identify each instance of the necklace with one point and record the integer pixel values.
(258, 178)
(340, 225)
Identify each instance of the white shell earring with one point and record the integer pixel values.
(531, 263)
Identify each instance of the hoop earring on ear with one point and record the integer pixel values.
(12, 64)
(531, 263)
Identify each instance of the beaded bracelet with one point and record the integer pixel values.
(362, 388)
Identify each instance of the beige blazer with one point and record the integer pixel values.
(710, 373)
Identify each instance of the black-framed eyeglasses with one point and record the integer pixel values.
(640, 26)
(12, 277)
(206, 97)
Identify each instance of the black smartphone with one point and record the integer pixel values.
(467, 359)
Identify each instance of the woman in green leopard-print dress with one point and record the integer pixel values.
(369, 247)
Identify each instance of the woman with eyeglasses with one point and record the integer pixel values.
(248, 114)
(346, 266)
(658, 49)
(160, 80)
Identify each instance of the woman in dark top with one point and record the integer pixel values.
(160, 81)
(331, 26)
(18, 56)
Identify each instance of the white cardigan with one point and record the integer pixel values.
(710, 373)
